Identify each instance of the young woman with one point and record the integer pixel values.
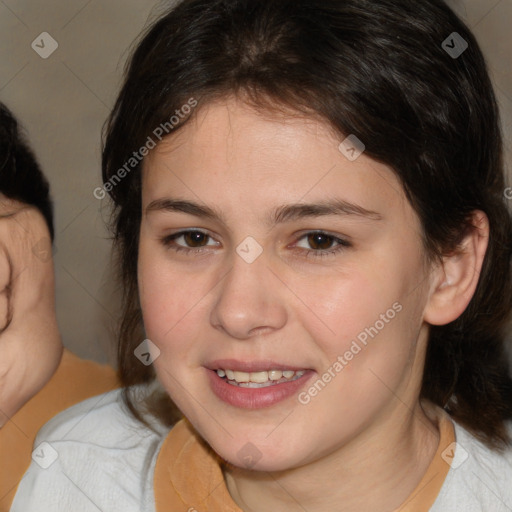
(316, 252)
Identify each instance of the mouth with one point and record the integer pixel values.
(261, 379)
(255, 385)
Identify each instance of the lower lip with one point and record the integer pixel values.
(255, 398)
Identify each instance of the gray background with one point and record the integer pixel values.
(63, 101)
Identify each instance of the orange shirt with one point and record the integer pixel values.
(75, 380)
(188, 476)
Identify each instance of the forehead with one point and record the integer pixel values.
(238, 130)
(229, 150)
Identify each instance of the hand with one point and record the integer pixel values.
(29, 337)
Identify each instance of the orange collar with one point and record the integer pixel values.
(426, 492)
(188, 475)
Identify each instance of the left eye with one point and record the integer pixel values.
(319, 243)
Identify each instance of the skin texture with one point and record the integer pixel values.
(367, 425)
(30, 342)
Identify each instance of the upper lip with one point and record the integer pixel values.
(251, 366)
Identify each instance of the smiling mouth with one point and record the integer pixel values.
(261, 379)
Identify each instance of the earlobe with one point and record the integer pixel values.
(456, 279)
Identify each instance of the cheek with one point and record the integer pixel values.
(172, 302)
(345, 304)
(367, 316)
(164, 298)
(160, 305)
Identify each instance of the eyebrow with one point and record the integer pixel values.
(281, 214)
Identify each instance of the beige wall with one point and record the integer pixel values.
(63, 101)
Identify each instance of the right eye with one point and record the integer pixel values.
(190, 241)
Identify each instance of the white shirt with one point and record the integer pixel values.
(481, 483)
(102, 459)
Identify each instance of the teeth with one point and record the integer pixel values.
(275, 374)
(252, 384)
(259, 379)
(242, 376)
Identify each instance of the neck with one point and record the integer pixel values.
(376, 470)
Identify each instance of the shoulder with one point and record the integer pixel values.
(102, 420)
(85, 376)
(479, 478)
(92, 456)
(75, 380)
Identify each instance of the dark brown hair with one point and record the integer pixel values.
(373, 68)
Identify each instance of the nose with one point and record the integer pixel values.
(249, 301)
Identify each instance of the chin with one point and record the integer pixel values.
(242, 453)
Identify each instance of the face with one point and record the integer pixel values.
(268, 256)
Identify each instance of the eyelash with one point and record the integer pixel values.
(169, 242)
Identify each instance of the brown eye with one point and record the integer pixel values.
(318, 244)
(320, 241)
(195, 239)
(191, 241)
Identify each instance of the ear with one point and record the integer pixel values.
(5, 278)
(455, 280)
